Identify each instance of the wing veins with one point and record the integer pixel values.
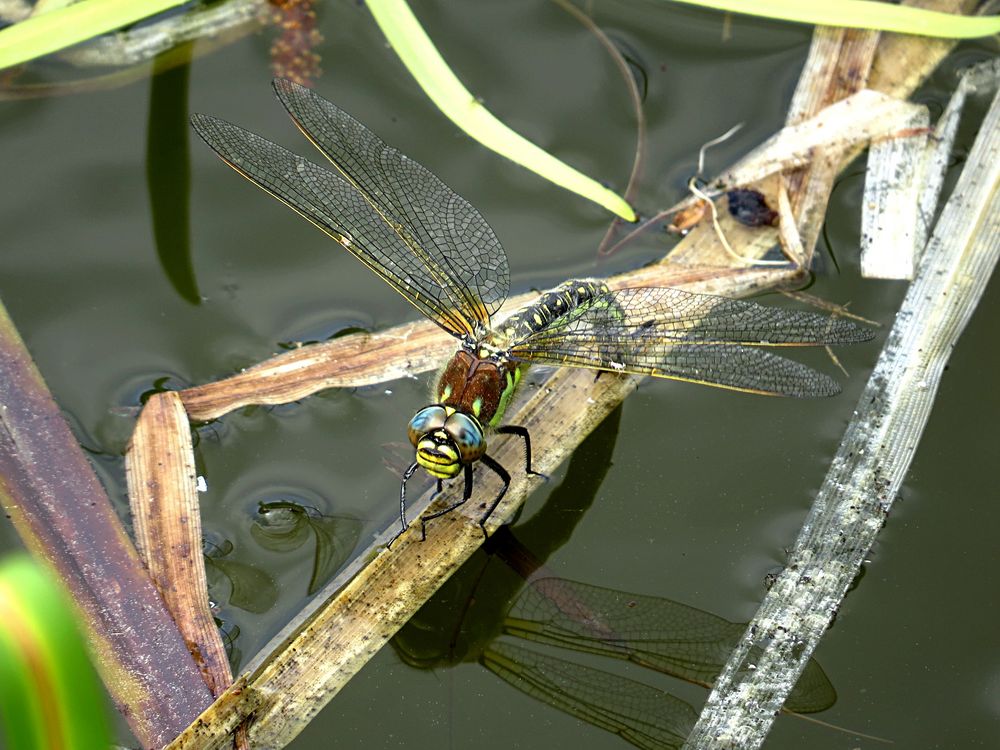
(466, 262)
(311, 191)
(678, 335)
(433, 268)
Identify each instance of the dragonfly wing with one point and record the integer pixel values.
(447, 235)
(700, 338)
(641, 714)
(337, 208)
(656, 633)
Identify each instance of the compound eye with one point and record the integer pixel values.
(467, 433)
(426, 420)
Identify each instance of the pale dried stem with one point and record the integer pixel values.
(160, 471)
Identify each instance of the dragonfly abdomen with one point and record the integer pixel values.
(552, 305)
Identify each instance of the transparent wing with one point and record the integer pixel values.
(646, 716)
(347, 215)
(656, 633)
(670, 333)
(450, 240)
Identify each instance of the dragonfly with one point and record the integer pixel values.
(436, 250)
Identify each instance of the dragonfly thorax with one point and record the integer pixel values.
(477, 385)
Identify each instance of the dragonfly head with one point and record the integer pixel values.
(446, 440)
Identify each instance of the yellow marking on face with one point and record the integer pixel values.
(449, 410)
(434, 454)
(440, 461)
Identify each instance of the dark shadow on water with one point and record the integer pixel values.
(168, 178)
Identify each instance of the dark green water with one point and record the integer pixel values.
(703, 489)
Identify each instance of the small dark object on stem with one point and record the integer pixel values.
(749, 207)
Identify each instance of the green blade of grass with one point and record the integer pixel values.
(862, 14)
(421, 58)
(49, 692)
(58, 29)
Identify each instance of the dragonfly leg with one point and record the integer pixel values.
(402, 501)
(465, 496)
(505, 476)
(516, 429)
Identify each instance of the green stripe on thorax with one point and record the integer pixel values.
(513, 378)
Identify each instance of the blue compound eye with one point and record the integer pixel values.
(466, 432)
(426, 420)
